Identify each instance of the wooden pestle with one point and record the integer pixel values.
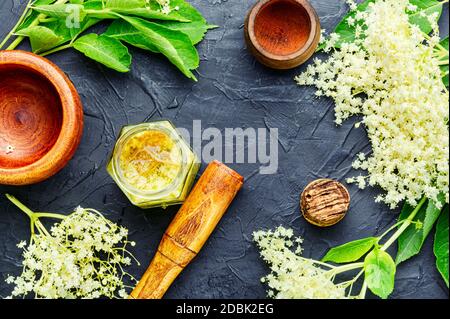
(190, 229)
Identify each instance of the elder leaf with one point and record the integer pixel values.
(123, 31)
(32, 15)
(444, 68)
(65, 33)
(105, 50)
(61, 11)
(175, 45)
(425, 9)
(125, 4)
(197, 26)
(138, 8)
(412, 239)
(379, 270)
(351, 251)
(441, 244)
(150, 14)
(41, 38)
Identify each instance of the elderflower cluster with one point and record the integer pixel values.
(391, 76)
(81, 257)
(292, 276)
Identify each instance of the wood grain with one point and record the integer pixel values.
(282, 34)
(325, 202)
(190, 229)
(41, 118)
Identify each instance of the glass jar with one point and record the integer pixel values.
(153, 165)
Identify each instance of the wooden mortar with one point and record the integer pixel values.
(282, 34)
(41, 118)
(190, 229)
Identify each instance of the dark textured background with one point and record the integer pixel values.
(232, 88)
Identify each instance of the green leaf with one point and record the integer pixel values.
(411, 240)
(441, 244)
(105, 50)
(124, 31)
(196, 28)
(41, 38)
(175, 45)
(351, 251)
(149, 14)
(425, 9)
(93, 5)
(60, 29)
(444, 68)
(379, 271)
(61, 11)
(136, 8)
(32, 15)
(68, 34)
(125, 4)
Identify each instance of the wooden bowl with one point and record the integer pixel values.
(282, 34)
(41, 118)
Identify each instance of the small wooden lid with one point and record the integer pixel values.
(324, 202)
(282, 34)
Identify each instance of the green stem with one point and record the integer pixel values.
(349, 284)
(42, 228)
(35, 22)
(441, 53)
(391, 229)
(345, 268)
(46, 20)
(362, 294)
(319, 263)
(15, 43)
(21, 206)
(19, 22)
(405, 225)
(50, 215)
(57, 49)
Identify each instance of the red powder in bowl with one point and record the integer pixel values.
(282, 27)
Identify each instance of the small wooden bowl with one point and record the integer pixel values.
(282, 34)
(41, 118)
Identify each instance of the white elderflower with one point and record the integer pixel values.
(165, 6)
(411, 7)
(331, 42)
(22, 244)
(352, 4)
(391, 76)
(81, 257)
(292, 276)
